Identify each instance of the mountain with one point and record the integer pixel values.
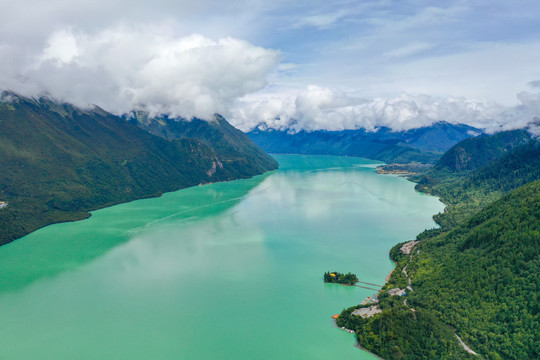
(476, 152)
(57, 162)
(482, 277)
(476, 275)
(479, 280)
(234, 147)
(419, 145)
(492, 166)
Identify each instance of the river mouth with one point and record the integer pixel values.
(228, 270)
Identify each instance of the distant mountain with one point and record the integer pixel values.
(474, 153)
(421, 145)
(440, 136)
(57, 162)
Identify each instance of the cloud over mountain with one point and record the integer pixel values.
(122, 56)
(123, 68)
(316, 108)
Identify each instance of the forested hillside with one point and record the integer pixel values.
(474, 153)
(477, 275)
(483, 277)
(57, 162)
(467, 191)
(238, 154)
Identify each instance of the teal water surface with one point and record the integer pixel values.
(222, 271)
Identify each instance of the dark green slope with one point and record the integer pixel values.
(483, 277)
(477, 275)
(57, 162)
(480, 280)
(467, 191)
(474, 153)
(234, 147)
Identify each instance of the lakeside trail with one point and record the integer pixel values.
(467, 349)
(404, 271)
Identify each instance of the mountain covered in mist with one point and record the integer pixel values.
(57, 161)
(424, 145)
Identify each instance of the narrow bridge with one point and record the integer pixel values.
(363, 282)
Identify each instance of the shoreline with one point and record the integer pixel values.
(380, 170)
(391, 272)
(80, 215)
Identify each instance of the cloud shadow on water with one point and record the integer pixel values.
(58, 248)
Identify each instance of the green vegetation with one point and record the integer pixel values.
(335, 277)
(482, 277)
(474, 153)
(478, 171)
(402, 334)
(238, 154)
(477, 275)
(58, 162)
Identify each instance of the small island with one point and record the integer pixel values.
(335, 277)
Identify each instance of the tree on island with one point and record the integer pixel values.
(335, 277)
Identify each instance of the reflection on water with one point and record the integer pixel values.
(67, 246)
(227, 271)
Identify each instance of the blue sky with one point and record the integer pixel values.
(328, 64)
(348, 43)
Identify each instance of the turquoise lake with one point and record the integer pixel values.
(221, 271)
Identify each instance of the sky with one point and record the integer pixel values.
(282, 64)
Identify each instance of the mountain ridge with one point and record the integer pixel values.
(58, 162)
(423, 145)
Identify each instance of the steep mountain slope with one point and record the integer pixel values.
(515, 161)
(57, 162)
(479, 280)
(482, 277)
(421, 145)
(474, 153)
(234, 147)
(477, 275)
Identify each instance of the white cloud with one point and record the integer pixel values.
(316, 108)
(377, 49)
(61, 47)
(408, 50)
(323, 20)
(121, 69)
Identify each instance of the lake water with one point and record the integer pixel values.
(221, 271)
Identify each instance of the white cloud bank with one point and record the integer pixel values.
(316, 108)
(122, 69)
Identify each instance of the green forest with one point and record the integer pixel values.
(478, 275)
